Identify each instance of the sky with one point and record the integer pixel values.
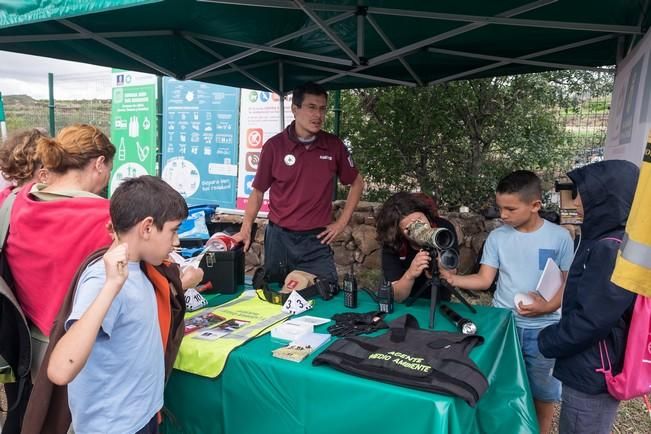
(21, 74)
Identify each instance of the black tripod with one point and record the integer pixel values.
(434, 284)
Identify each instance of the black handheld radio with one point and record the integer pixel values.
(385, 297)
(350, 289)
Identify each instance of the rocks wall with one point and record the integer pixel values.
(356, 246)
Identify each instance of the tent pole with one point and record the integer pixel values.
(50, 85)
(361, 20)
(159, 125)
(337, 110)
(3, 125)
(281, 88)
(619, 54)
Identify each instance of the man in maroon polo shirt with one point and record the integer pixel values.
(299, 165)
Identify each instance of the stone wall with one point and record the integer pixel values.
(356, 246)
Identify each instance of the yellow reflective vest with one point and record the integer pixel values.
(204, 351)
(633, 266)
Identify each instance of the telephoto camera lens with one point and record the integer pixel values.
(449, 259)
(425, 235)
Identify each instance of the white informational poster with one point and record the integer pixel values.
(259, 121)
(630, 108)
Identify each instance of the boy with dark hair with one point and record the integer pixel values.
(519, 251)
(113, 355)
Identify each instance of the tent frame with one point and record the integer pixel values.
(355, 59)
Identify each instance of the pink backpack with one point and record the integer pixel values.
(635, 378)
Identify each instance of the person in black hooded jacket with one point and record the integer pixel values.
(594, 308)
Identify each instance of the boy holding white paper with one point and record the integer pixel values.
(519, 251)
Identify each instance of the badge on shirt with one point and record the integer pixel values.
(289, 159)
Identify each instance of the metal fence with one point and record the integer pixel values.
(23, 112)
(88, 100)
(78, 98)
(76, 101)
(586, 122)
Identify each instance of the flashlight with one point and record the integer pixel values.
(464, 325)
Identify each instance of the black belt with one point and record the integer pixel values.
(315, 231)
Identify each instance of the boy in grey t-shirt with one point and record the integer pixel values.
(112, 352)
(519, 251)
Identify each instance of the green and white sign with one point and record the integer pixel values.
(133, 126)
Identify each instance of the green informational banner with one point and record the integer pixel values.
(133, 126)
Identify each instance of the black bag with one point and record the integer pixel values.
(409, 356)
(224, 271)
(15, 339)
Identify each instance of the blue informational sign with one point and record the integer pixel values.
(200, 141)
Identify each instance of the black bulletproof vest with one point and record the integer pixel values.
(407, 355)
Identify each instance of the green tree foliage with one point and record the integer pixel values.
(457, 139)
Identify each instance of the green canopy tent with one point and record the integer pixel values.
(276, 44)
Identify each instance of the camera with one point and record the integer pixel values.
(438, 242)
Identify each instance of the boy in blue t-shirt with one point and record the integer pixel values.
(112, 355)
(519, 251)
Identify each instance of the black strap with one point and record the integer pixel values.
(400, 325)
(5, 216)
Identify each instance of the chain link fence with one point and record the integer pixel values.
(23, 112)
(79, 98)
(586, 122)
(85, 98)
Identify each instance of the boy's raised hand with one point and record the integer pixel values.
(447, 275)
(116, 261)
(191, 276)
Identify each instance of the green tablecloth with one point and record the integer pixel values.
(259, 394)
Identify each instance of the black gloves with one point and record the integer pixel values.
(353, 324)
